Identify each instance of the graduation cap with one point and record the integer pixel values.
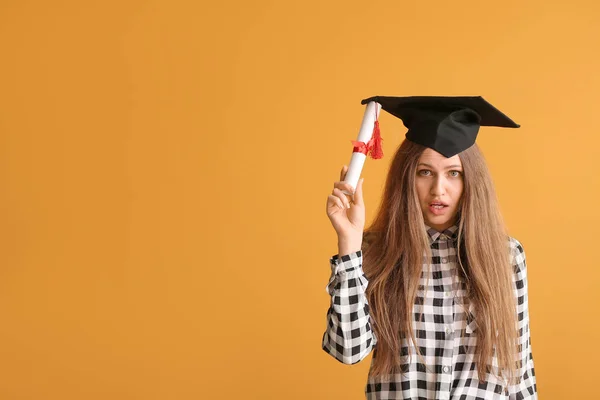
(445, 124)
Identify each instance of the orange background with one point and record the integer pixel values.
(165, 167)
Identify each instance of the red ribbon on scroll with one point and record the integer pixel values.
(373, 146)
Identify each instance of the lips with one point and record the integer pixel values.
(438, 204)
(438, 208)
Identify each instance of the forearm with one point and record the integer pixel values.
(349, 336)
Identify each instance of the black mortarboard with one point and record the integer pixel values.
(445, 124)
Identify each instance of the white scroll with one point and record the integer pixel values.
(364, 135)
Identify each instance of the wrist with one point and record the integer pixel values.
(348, 246)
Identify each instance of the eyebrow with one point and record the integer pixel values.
(448, 167)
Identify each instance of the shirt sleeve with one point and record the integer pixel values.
(348, 337)
(526, 388)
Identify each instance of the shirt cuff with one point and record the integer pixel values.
(346, 263)
(343, 268)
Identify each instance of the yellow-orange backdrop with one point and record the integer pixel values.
(163, 236)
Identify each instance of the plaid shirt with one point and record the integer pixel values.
(448, 351)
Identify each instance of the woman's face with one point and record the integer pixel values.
(439, 184)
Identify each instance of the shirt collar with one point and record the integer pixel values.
(450, 233)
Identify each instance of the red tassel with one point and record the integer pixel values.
(373, 147)
(376, 149)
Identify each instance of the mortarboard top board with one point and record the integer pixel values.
(445, 124)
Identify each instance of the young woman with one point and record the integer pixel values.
(435, 287)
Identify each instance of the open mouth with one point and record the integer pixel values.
(438, 206)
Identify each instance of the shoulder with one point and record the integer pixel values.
(516, 248)
(517, 258)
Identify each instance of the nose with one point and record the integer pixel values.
(438, 186)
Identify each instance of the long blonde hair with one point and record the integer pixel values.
(396, 242)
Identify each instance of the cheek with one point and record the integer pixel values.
(457, 189)
(422, 190)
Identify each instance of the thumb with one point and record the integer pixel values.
(358, 194)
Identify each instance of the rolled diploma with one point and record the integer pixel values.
(364, 135)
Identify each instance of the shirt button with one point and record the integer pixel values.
(446, 369)
(448, 330)
(444, 260)
(447, 294)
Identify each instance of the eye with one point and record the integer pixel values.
(455, 173)
(424, 172)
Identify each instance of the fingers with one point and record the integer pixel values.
(338, 195)
(331, 199)
(344, 186)
(343, 172)
(341, 184)
(342, 197)
(358, 193)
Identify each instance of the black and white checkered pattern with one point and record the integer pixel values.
(446, 333)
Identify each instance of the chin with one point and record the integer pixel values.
(439, 220)
(436, 221)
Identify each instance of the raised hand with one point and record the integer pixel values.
(347, 214)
